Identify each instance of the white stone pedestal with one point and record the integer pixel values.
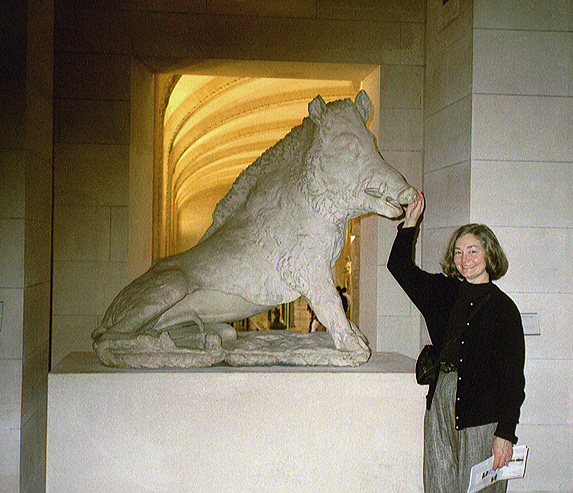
(221, 429)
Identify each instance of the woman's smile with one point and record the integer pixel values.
(470, 259)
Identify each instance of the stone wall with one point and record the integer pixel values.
(25, 234)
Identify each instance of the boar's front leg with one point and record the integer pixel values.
(327, 305)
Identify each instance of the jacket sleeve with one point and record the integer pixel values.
(424, 289)
(512, 342)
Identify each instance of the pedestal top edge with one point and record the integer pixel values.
(380, 362)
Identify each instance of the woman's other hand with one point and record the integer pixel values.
(502, 452)
(414, 210)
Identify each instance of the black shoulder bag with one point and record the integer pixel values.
(428, 362)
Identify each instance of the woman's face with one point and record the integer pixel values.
(469, 257)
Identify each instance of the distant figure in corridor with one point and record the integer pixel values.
(474, 404)
(343, 298)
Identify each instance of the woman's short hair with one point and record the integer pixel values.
(496, 261)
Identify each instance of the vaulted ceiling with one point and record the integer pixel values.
(215, 126)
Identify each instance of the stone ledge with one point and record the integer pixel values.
(387, 362)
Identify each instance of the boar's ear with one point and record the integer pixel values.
(316, 108)
(363, 105)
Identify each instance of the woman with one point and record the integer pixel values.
(473, 408)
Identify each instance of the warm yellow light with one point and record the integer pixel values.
(216, 126)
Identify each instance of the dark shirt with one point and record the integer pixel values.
(491, 351)
(471, 299)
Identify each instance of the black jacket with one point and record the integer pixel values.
(491, 380)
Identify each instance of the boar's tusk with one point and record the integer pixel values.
(393, 202)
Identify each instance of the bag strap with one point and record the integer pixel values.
(450, 344)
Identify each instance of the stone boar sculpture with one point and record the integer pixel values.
(275, 236)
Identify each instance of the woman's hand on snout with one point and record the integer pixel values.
(414, 210)
(502, 452)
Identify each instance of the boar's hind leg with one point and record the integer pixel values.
(138, 306)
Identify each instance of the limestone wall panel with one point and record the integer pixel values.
(555, 339)
(447, 192)
(93, 122)
(13, 42)
(118, 234)
(40, 47)
(530, 193)
(12, 183)
(401, 86)
(401, 129)
(537, 256)
(435, 95)
(34, 381)
(548, 463)
(37, 252)
(38, 188)
(81, 233)
(549, 390)
(242, 37)
(39, 117)
(459, 60)
(412, 36)
(407, 326)
(12, 319)
(72, 333)
(10, 455)
(274, 8)
(33, 451)
(520, 128)
(448, 136)
(11, 396)
(435, 241)
(447, 22)
(89, 31)
(374, 10)
(523, 62)
(92, 76)
(182, 6)
(87, 174)
(87, 288)
(36, 317)
(510, 14)
(13, 104)
(12, 248)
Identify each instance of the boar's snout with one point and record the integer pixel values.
(407, 196)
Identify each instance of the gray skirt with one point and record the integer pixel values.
(449, 454)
